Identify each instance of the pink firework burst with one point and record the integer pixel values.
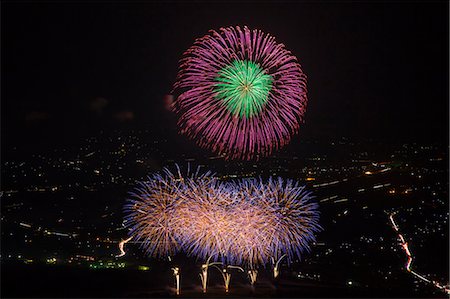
(240, 93)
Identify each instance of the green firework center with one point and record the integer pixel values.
(244, 87)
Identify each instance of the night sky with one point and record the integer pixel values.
(375, 70)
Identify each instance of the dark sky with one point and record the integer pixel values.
(377, 70)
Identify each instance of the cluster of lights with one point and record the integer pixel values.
(106, 265)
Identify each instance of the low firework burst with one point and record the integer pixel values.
(247, 221)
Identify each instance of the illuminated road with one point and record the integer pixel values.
(405, 247)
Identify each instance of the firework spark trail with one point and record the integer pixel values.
(121, 244)
(405, 247)
(252, 274)
(204, 273)
(176, 274)
(240, 93)
(226, 275)
(241, 222)
(276, 266)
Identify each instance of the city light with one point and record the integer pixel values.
(405, 247)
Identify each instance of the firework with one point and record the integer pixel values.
(246, 222)
(276, 266)
(240, 93)
(151, 209)
(204, 273)
(121, 245)
(176, 274)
